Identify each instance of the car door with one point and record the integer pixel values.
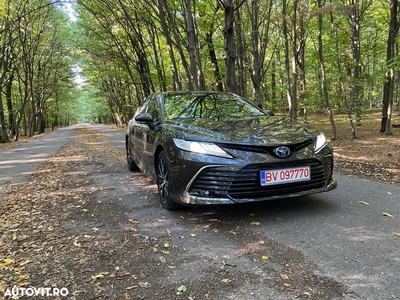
(150, 135)
(136, 134)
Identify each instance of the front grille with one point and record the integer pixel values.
(269, 149)
(245, 183)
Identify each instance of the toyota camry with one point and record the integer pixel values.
(204, 148)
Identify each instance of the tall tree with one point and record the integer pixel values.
(229, 43)
(388, 86)
(260, 18)
(323, 69)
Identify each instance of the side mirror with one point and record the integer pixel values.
(146, 118)
(269, 112)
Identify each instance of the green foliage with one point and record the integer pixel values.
(125, 54)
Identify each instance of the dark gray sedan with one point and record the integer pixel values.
(205, 148)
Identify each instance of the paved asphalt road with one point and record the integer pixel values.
(350, 241)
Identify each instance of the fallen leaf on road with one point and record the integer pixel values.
(362, 202)
(182, 288)
(226, 280)
(100, 275)
(265, 257)
(397, 234)
(387, 214)
(6, 262)
(144, 284)
(22, 277)
(255, 223)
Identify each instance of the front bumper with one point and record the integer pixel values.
(238, 181)
(189, 199)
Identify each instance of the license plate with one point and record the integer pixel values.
(280, 176)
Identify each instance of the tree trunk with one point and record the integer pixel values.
(293, 98)
(301, 49)
(355, 92)
(389, 84)
(214, 61)
(8, 93)
(287, 65)
(341, 76)
(191, 46)
(177, 83)
(323, 77)
(241, 56)
(229, 46)
(3, 127)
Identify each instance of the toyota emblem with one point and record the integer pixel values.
(282, 151)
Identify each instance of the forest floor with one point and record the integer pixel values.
(371, 155)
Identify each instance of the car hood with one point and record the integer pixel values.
(253, 131)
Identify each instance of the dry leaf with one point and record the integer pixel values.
(362, 202)
(226, 280)
(22, 277)
(397, 234)
(386, 214)
(265, 257)
(6, 262)
(144, 284)
(100, 275)
(255, 223)
(76, 243)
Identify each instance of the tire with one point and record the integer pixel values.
(164, 183)
(131, 164)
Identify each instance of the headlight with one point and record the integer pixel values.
(200, 147)
(320, 142)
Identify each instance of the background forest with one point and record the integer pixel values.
(96, 60)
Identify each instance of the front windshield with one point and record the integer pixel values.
(217, 106)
